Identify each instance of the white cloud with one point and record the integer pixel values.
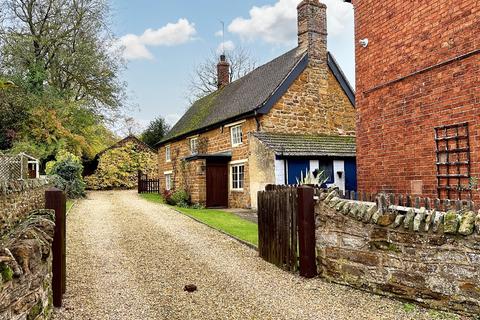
(277, 24)
(225, 46)
(219, 33)
(172, 34)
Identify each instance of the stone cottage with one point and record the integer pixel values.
(418, 97)
(294, 114)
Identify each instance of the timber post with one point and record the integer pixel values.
(55, 199)
(306, 232)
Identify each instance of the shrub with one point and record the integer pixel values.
(182, 204)
(118, 168)
(197, 206)
(180, 197)
(66, 174)
(167, 195)
(316, 178)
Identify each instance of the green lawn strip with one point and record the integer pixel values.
(70, 204)
(153, 197)
(224, 221)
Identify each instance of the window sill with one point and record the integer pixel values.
(236, 190)
(237, 145)
(167, 161)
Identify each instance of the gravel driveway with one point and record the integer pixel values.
(130, 259)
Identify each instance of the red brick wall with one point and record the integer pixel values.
(395, 121)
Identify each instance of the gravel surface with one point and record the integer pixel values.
(130, 259)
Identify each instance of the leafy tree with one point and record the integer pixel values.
(58, 53)
(155, 131)
(66, 172)
(203, 80)
(52, 124)
(12, 114)
(65, 44)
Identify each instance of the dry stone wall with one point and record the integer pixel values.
(423, 255)
(26, 268)
(18, 198)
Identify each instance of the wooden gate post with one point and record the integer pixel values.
(55, 199)
(306, 232)
(139, 181)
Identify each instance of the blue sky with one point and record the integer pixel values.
(164, 40)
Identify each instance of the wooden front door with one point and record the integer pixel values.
(217, 184)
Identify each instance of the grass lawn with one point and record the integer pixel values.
(218, 219)
(69, 204)
(153, 197)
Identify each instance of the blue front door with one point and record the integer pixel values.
(350, 175)
(295, 168)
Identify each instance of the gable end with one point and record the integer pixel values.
(341, 78)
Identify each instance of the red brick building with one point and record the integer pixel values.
(418, 96)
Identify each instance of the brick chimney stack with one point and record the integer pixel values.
(312, 29)
(223, 72)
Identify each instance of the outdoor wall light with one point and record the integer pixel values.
(364, 42)
(340, 173)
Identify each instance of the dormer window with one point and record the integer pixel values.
(236, 134)
(193, 145)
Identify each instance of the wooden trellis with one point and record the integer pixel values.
(453, 161)
(18, 167)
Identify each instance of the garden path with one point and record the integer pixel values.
(130, 259)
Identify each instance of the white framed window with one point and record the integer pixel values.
(193, 145)
(236, 134)
(168, 181)
(167, 154)
(238, 176)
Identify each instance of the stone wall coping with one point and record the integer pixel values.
(463, 222)
(12, 186)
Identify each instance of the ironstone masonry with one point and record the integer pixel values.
(420, 70)
(18, 198)
(428, 256)
(26, 235)
(314, 103)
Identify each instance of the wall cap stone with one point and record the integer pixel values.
(452, 222)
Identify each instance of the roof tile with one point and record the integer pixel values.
(308, 145)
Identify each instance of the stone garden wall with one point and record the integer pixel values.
(423, 255)
(26, 235)
(18, 198)
(26, 268)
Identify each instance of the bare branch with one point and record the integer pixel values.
(203, 80)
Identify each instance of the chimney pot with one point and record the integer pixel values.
(223, 72)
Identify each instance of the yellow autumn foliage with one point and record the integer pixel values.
(118, 168)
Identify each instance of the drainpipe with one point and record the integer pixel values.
(257, 121)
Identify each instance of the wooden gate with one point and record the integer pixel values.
(146, 185)
(286, 228)
(277, 227)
